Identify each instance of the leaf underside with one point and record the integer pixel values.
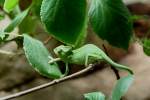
(64, 19)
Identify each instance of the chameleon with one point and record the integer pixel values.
(85, 55)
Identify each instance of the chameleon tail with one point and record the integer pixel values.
(116, 65)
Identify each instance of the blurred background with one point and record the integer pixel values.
(17, 75)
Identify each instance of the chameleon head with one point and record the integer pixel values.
(63, 51)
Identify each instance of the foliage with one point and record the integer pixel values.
(63, 19)
(146, 46)
(9, 5)
(67, 21)
(120, 89)
(94, 96)
(16, 21)
(111, 19)
(3, 35)
(38, 55)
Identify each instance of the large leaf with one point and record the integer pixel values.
(38, 55)
(94, 96)
(36, 6)
(9, 5)
(146, 46)
(121, 87)
(28, 25)
(16, 21)
(2, 2)
(65, 19)
(110, 19)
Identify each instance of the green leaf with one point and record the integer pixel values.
(110, 19)
(3, 36)
(94, 96)
(38, 55)
(121, 87)
(9, 5)
(65, 19)
(2, 16)
(2, 2)
(28, 25)
(36, 6)
(146, 46)
(16, 21)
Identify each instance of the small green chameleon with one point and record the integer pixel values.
(84, 55)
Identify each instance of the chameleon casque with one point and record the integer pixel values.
(85, 55)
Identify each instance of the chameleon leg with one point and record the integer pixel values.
(59, 59)
(86, 60)
(91, 58)
(54, 60)
(66, 70)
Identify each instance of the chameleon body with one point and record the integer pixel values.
(85, 55)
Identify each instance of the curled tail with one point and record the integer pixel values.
(116, 65)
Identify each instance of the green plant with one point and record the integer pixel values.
(67, 21)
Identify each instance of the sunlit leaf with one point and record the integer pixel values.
(146, 46)
(9, 5)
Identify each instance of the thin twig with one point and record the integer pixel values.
(114, 69)
(48, 84)
(47, 40)
(6, 53)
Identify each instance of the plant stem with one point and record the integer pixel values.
(54, 82)
(47, 40)
(6, 52)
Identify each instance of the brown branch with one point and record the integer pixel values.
(114, 69)
(90, 67)
(6, 53)
(47, 40)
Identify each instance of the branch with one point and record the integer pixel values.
(47, 40)
(90, 67)
(6, 52)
